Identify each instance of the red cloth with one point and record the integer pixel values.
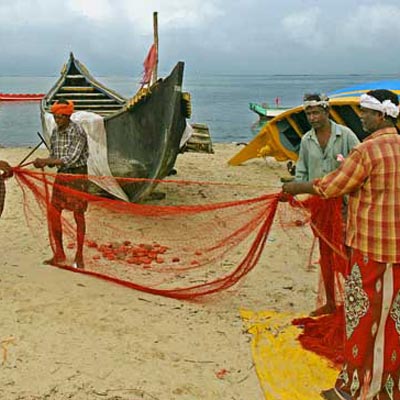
(63, 109)
(372, 341)
(324, 335)
(328, 226)
(149, 64)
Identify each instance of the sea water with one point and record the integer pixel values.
(220, 101)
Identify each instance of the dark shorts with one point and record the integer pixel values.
(62, 199)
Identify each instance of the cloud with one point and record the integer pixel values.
(97, 10)
(371, 26)
(304, 28)
(266, 36)
(175, 13)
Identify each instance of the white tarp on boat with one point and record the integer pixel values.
(187, 134)
(93, 124)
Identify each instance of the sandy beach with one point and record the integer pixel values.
(68, 336)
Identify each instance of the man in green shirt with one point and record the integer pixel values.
(321, 150)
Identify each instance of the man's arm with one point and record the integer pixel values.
(6, 169)
(350, 176)
(49, 161)
(294, 188)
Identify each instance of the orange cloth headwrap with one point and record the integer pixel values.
(64, 109)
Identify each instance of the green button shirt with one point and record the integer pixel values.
(315, 162)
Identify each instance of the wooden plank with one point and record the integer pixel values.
(108, 106)
(356, 109)
(77, 88)
(200, 141)
(81, 94)
(92, 101)
(294, 125)
(336, 116)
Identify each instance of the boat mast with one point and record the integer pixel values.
(155, 31)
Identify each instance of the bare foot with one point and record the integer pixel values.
(326, 309)
(326, 394)
(79, 263)
(332, 394)
(55, 260)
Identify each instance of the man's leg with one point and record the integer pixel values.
(328, 278)
(80, 237)
(56, 236)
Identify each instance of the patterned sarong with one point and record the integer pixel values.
(372, 336)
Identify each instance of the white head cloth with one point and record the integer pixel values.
(322, 102)
(314, 103)
(387, 107)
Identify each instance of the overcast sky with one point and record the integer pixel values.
(111, 37)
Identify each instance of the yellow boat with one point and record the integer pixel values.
(280, 137)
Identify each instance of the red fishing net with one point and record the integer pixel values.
(177, 250)
(324, 335)
(183, 249)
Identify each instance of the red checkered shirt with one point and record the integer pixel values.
(371, 177)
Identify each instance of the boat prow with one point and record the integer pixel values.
(279, 138)
(266, 113)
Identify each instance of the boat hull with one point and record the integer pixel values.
(265, 113)
(143, 141)
(281, 136)
(143, 134)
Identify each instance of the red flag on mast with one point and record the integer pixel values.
(149, 64)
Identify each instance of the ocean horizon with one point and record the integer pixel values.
(220, 101)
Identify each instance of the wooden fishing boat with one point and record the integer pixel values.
(142, 133)
(264, 112)
(21, 96)
(280, 137)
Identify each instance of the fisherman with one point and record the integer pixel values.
(5, 169)
(5, 172)
(69, 154)
(321, 151)
(370, 175)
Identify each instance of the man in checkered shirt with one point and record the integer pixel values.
(69, 154)
(370, 175)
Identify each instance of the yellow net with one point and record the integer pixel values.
(285, 370)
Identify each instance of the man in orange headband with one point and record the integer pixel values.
(69, 154)
(63, 108)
